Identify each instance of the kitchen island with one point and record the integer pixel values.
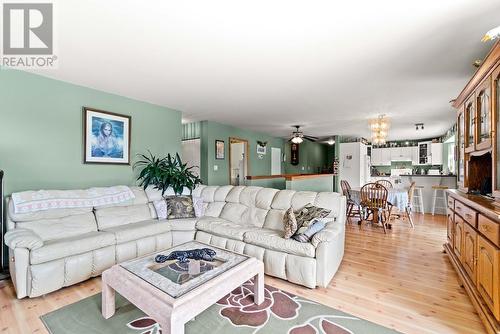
(299, 182)
(425, 181)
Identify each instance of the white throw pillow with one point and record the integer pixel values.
(199, 209)
(161, 208)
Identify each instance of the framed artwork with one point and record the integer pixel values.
(261, 149)
(219, 150)
(106, 137)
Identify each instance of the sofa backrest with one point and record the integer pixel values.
(53, 224)
(132, 211)
(263, 207)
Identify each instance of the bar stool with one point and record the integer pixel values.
(438, 190)
(418, 199)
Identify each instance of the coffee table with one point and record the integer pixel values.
(173, 293)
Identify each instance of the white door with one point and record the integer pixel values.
(275, 161)
(191, 154)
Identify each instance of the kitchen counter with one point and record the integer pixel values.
(299, 182)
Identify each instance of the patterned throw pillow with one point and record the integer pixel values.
(179, 207)
(161, 208)
(199, 209)
(308, 213)
(307, 233)
(289, 223)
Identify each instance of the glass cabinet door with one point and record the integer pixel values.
(470, 125)
(484, 115)
(461, 146)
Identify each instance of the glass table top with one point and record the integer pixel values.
(176, 278)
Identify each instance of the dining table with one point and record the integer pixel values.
(397, 197)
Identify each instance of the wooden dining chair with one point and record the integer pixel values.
(386, 183)
(353, 209)
(374, 199)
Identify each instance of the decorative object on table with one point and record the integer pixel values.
(219, 150)
(180, 207)
(305, 233)
(294, 154)
(289, 223)
(166, 172)
(231, 314)
(205, 254)
(106, 137)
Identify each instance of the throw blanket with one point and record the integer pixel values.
(31, 201)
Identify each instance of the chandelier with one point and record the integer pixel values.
(380, 128)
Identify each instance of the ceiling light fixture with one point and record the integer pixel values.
(380, 129)
(491, 35)
(297, 140)
(331, 141)
(419, 126)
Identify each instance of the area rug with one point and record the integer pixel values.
(281, 312)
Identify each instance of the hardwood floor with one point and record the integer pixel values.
(401, 280)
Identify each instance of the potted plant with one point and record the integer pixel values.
(162, 173)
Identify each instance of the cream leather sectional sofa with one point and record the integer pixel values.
(56, 248)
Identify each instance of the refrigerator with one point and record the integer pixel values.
(354, 164)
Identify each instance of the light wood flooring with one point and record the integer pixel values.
(400, 280)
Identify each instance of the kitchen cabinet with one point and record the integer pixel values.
(395, 153)
(461, 151)
(488, 278)
(414, 155)
(424, 153)
(386, 157)
(469, 251)
(376, 157)
(437, 153)
(459, 232)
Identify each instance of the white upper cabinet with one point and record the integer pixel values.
(386, 157)
(437, 153)
(376, 157)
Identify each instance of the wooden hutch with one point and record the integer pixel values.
(473, 242)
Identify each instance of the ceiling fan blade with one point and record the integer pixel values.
(311, 137)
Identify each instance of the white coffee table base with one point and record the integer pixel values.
(173, 313)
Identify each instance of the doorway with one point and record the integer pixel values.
(238, 161)
(191, 154)
(275, 161)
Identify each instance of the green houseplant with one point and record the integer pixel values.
(162, 173)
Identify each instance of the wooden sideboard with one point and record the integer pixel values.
(473, 246)
(473, 238)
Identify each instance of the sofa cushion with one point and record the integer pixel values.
(187, 224)
(139, 230)
(122, 215)
(45, 214)
(61, 248)
(283, 199)
(289, 224)
(223, 227)
(180, 207)
(233, 212)
(273, 240)
(63, 227)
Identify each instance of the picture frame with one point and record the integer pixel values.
(106, 137)
(261, 149)
(219, 149)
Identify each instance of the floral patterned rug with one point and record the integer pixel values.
(281, 312)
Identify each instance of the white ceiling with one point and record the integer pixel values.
(266, 65)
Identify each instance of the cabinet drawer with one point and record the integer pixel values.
(489, 229)
(468, 214)
(451, 203)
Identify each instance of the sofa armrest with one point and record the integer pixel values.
(23, 238)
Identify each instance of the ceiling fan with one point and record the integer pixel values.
(298, 136)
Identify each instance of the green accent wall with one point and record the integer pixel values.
(41, 139)
(312, 158)
(210, 131)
